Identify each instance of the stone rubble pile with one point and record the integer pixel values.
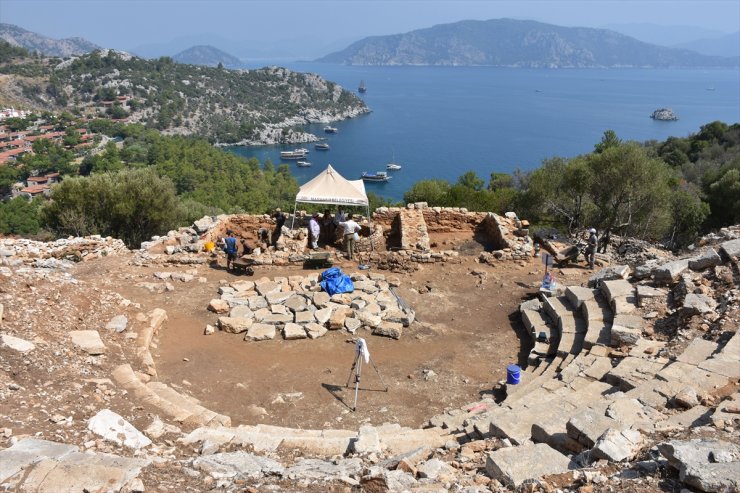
(58, 254)
(297, 308)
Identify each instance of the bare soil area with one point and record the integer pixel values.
(456, 352)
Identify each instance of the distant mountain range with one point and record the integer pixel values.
(703, 41)
(207, 55)
(31, 41)
(516, 43)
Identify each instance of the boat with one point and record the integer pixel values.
(393, 166)
(322, 146)
(377, 176)
(294, 154)
(710, 88)
(330, 130)
(303, 164)
(362, 89)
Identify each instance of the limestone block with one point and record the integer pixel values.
(389, 329)
(615, 288)
(608, 274)
(294, 331)
(88, 340)
(731, 250)
(296, 303)
(315, 330)
(697, 304)
(336, 321)
(434, 469)
(588, 425)
(304, 317)
(241, 311)
(114, 428)
(278, 298)
(260, 332)
(615, 445)
(367, 441)
(369, 319)
(668, 273)
(16, 343)
(577, 295)
(322, 315)
(403, 317)
(234, 325)
(645, 293)
(218, 306)
(238, 465)
(278, 318)
(257, 302)
(117, 323)
(352, 324)
(697, 351)
(266, 287)
(515, 465)
(706, 259)
(708, 465)
(321, 299)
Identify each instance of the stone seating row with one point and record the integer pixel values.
(392, 439)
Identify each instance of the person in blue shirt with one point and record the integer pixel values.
(230, 248)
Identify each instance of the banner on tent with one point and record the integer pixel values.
(333, 200)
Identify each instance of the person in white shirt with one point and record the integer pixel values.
(314, 230)
(349, 229)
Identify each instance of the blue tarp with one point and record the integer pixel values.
(334, 281)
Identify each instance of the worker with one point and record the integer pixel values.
(229, 246)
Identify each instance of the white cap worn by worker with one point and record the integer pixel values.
(592, 230)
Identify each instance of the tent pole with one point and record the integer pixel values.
(295, 207)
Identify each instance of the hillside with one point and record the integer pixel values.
(18, 36)
(515, 43)
(208, 56)
(261, 106)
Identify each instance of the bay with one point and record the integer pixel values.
(439, 122)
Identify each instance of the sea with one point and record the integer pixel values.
(440, 122)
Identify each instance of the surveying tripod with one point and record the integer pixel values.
(361, 353)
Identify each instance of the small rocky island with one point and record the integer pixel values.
(664, 114)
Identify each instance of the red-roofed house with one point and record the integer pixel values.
(35, 191)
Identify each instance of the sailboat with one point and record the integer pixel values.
(362, 89)
(393, 166)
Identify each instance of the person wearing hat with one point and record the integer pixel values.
(314, 230)
(279, 221)
(593, 241)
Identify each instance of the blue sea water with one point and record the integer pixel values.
(439, 122)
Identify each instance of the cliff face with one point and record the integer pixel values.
(514, 43)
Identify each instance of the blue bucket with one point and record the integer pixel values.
(513, 372)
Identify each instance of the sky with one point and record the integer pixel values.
(291, 26)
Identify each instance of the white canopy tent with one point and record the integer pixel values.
(329, 187)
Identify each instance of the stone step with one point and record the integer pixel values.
(555, 307)
(515, 466)
(538, 325)
(632, 371)
(617, 288)
(578, 295)
(197, 415)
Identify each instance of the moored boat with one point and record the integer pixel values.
(362, 89)
(377, 176)
(294, 154)
(330, 130)
(392, 166)
(303, 164)
(322, 146)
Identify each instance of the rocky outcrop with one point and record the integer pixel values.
(664, 114)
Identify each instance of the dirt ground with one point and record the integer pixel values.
(466, 334)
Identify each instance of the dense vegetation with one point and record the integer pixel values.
(193, 179)
(666, 191)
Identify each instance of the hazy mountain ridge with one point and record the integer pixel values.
(18, 36)
(515, 43)
(727, 45)
(207, 55)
